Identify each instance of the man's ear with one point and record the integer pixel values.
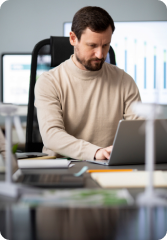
(73, 39)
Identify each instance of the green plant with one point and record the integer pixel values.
(14, 148)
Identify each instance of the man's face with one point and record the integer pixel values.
(91, 51)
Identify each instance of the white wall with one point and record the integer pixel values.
(25, 22)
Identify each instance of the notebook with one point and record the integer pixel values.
(137, 179)
(44, 163)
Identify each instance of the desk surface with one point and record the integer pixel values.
(114, 223)
(89, 183)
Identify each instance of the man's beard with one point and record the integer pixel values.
(88, 65)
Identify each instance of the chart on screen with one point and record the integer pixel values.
(141, 51)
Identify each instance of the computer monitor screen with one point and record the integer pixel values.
(141, 50)
(16, 76)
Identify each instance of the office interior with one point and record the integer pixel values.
(23, 23)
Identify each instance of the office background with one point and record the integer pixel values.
(25, 22)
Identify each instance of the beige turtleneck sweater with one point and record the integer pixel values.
(78, 111)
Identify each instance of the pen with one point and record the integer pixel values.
(110, 170)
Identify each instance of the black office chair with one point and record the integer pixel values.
(60, 49)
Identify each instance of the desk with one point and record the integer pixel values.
(75, 223)
(89, 183)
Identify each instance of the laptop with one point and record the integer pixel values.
(47, 180)
(129, 143)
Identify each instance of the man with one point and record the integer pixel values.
(80, 102)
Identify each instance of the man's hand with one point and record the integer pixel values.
(103, 153)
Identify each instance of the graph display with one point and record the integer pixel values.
(141, 50)
(16, 76)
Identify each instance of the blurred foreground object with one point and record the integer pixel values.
(8, 188)
(150, 112)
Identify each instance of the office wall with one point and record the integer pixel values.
(25, 22)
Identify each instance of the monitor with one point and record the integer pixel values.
(141, 50)
(16, 76)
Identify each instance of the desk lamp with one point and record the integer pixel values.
(150, 112)
(8, 188)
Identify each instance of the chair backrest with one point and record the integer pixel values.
(60, 50)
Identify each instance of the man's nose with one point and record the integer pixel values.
(99, 53)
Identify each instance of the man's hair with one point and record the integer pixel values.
(95, 18)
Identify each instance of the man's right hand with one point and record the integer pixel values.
(103, 153)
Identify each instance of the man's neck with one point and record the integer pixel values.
(78, 64)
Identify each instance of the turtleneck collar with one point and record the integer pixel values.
(83, 74)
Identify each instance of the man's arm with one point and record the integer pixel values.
(51, 125)
(130, 94)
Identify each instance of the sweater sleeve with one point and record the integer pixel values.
(51, 125)
(130, 94)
